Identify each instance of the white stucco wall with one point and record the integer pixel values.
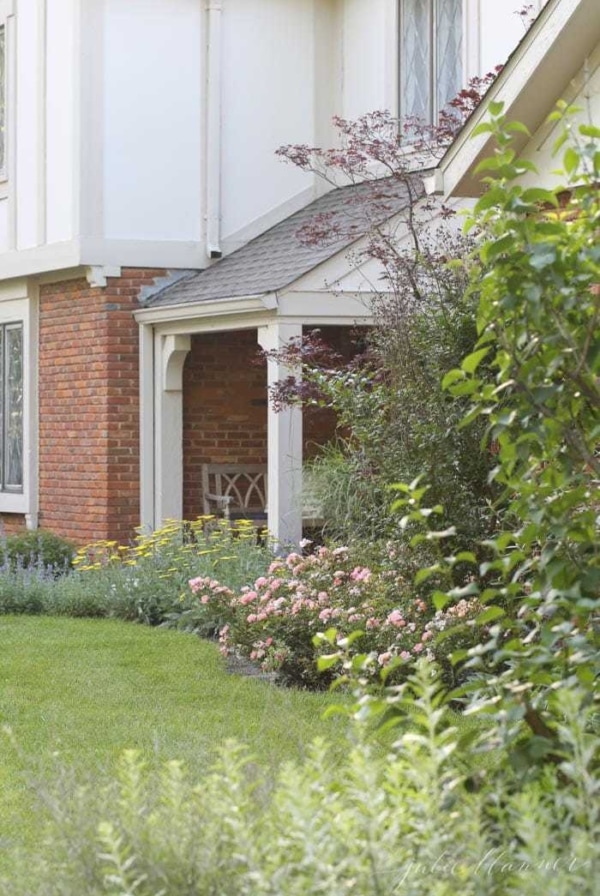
(29, 174)
(152, 107)
(268, 95)
(368, 28)
(58, 193)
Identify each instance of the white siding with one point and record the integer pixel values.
(152, 106)
(29, 137)
(268, 100)
(369, 37)
(62, 79)
(3, 225)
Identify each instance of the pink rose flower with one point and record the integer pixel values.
(396, 618)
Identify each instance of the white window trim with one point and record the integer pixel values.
(18, 303)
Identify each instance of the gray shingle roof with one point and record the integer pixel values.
(290, 249)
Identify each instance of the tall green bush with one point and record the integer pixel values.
(534, 377)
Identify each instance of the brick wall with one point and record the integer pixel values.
(89, 407)
(225, 407)
(11, 523)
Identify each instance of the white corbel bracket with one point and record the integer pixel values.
(96, 275)
(175, 351)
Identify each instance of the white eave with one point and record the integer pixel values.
(236, 305)
(538, 73)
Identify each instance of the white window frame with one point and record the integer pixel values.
(18, 304)
(466, 23)
(15, 488)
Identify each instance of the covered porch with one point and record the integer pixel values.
(204, 394)
(205, 402)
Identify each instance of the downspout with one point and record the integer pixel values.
(214, 10)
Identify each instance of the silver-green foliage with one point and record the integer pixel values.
(413, 822)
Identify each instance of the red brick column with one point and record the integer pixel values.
(89, 407)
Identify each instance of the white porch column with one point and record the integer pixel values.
(284, 445)
(169, 353)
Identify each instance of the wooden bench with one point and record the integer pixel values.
(239, 491)
(235, 491)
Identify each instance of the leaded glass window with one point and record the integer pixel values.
(11, 407)
(430, 56)
(2, 97)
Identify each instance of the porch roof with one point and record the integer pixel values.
(281, 255)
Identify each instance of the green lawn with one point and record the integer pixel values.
(79, 692)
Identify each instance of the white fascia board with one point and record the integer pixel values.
(327, 309)
(551, 53)
(257, 305)
(143, 253)
(224, 324)
(39, 260)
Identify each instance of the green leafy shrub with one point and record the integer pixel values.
(414, 821)
(539, 393)
(37, 548)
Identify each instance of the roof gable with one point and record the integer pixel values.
(540, 71)
(288, 251)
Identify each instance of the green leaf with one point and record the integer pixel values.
(327, 661)
(452, 377)
(489, 615)
(571, 160)
(426, 573)
(472, 361)
(542, 256)
(465, 557)
(518, 127)
(492, 250)
(440, 599)
(537, 195)
(484, 128)
(589, 130)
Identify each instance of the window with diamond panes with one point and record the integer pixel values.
(11, 407)
(430, 56)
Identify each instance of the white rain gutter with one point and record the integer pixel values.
(214, 11)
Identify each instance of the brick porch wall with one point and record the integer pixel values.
(89, 407)
(225, 407)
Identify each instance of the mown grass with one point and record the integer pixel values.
(78, 692)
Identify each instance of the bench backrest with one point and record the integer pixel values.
(234, 488)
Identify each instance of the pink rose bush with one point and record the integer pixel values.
(274, 621)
